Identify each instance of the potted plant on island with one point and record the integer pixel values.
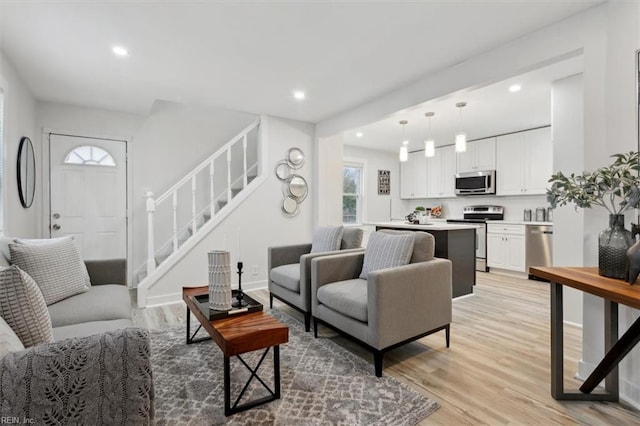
(614, 187)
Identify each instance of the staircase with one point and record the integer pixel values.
(192, 208)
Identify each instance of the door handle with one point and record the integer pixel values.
(56, 227)
(56, 215)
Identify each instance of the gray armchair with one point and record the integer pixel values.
(290, 271)
(392, 307)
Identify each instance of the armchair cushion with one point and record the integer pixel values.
(387, 251)
(326, 238)
(56, 266)
(287, 276)
(346, 297)
(23, 307)
(351, 238)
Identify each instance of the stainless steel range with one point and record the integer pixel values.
(480, 215)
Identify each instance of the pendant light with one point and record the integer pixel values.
(404, 149)
(461, 137)
(429, 143)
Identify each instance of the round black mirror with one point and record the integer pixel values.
(26, 172)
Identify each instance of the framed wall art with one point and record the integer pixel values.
(384, 182)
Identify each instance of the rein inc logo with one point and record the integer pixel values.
(7, 420)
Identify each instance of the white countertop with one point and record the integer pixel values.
(519, 222)
(435, 226)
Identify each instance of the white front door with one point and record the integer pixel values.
(88, 189)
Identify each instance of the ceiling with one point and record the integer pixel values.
(251, 56)
(491, 110)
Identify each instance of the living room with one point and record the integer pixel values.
(169, 131)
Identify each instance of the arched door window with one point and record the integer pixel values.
(89, 155)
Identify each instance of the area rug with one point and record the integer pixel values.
(321, 384)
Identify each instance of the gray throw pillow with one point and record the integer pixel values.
(326, 238)
(351, 238)
(9, 341)
(23, 308)
(55, 266)
(386, 251)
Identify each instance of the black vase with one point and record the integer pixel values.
(613, 244)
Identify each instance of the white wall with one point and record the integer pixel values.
(19, 121)
(607, 36)
(377, 207)
(568, 157)
(172, 141)
(614, 101)
(328, 175)
(259, 219)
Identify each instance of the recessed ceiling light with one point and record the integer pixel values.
(120, 51)
(299, 94)
(515, 88)
(359, 134)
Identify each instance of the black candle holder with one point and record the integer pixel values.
(239, 303)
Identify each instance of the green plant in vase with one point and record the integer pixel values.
(616, 188)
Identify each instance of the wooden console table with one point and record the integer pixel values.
(613, 292)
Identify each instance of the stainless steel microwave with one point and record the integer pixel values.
(476, 183)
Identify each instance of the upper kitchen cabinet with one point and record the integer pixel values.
(524, 162)
(441, 170)
(413, 176)
(480, 155)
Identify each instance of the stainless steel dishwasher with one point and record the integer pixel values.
(539, 240)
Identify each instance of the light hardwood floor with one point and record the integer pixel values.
(497, 368)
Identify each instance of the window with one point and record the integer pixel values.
(352, 194)
(88, 155)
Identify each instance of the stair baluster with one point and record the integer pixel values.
(244, 161)
(194, 213)
(175, 221)
(211, 191)
(151, 207)
(229, 195)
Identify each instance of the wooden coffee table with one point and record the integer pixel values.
(234, 336)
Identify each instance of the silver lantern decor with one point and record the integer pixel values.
(220, 280)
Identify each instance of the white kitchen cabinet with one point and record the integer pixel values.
(524, 162)
(506, 247)
(413, 176)
(480, 155)
(441, 170)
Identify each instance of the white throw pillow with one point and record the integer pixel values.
(387, 251)
(23, 308)
(326, 238)
(55, 265)
(9, 341)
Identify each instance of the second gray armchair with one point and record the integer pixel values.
(392, 306)
(290, 271)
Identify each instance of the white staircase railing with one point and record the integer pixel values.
(215, 206)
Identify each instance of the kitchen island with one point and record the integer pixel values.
(455, 242)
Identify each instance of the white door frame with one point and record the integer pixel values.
(46, 185)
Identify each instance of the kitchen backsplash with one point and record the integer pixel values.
(452, 207)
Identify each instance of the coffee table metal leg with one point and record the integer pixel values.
(227, 387)
(276, 371)
(273, 395)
